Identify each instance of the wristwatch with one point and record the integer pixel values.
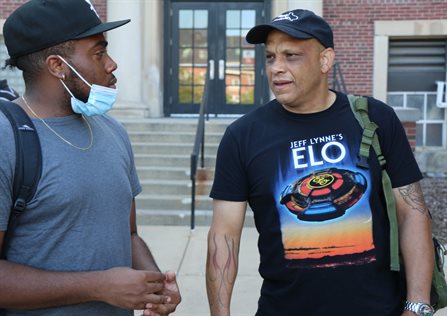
(420, 309)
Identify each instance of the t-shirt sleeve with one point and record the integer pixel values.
(230, 181)
(133, 175)
(401, 163)
(132, 172)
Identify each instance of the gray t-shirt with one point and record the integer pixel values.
(79, 217)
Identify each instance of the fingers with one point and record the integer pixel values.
(148, 312)
(154, 300)
(163, 309)
(170, 276)
(153, 276)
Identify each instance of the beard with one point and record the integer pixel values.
(78, 87)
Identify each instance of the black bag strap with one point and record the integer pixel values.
(28, 167)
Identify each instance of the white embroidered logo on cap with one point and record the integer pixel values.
(289, 16)
(92, 7)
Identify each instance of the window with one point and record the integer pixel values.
(414, 66)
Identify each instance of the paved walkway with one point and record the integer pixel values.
(179, 249)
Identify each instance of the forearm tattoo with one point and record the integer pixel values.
(413, 197)
(221, 272)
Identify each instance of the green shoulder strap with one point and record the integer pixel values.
(359, 106)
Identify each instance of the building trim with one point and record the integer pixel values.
(383, 30)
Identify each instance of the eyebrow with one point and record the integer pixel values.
(285, 51)
(102, 43)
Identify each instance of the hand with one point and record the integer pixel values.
(132, 289)
(171, 290)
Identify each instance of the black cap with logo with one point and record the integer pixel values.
(298, 23)
(40, 24)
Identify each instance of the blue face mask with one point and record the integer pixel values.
(100, 99)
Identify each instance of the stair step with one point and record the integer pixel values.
(172, 137)
(171, 173)
(169, 160)
(171, 148)
(174, 124)
(162, 150)
(177, 187)
(182, 217)
(172, 202)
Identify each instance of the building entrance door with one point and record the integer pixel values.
(210, 36)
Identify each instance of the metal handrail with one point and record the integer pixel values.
(199, 144)
(338, 82)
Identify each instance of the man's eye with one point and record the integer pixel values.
(292, 56)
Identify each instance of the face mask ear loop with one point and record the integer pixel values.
(66, 88)
(74, 70)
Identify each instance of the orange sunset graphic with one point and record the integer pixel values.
(320, 231)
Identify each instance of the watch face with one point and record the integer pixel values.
(425, 310)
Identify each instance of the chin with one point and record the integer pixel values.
(284, 101)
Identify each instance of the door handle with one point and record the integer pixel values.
(211, 67)
(221, 69)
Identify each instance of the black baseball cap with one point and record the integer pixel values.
(40, 24)
(297, 23)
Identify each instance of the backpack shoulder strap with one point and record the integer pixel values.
(28, 167)
(359, 106)
(28, 155)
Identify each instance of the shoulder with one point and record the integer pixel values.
(7, 144)
(5, 126)
(376, 107)
(260, 115)
(382, 114)
(109, 122)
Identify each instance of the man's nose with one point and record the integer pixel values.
(111, 65)
(278, 65)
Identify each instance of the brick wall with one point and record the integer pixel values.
(353, 25)
(410, 130)
(7, 6)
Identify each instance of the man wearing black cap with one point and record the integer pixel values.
(322, 223)
(75, 249)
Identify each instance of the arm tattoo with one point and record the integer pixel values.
(412, 195)
(222, 273)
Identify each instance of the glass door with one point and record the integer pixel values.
(211, 37)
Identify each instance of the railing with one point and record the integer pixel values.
(338, 82)
(199, 145)
(441, 94)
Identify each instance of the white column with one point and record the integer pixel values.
(153, 56)
(280, 6)
(125, 47)
(313, 5)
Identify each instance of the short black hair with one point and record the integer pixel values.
(31, 64)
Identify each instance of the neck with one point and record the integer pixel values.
(47, 105)
(313, 105)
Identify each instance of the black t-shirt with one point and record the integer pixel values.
(323, 228)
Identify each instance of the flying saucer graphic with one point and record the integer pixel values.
(324, 194)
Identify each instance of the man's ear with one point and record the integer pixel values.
(56, 67)
(327, 58)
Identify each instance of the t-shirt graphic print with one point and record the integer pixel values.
(323, 205)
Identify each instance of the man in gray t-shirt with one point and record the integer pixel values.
(75, 249)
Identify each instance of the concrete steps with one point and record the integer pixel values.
(162, 150)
